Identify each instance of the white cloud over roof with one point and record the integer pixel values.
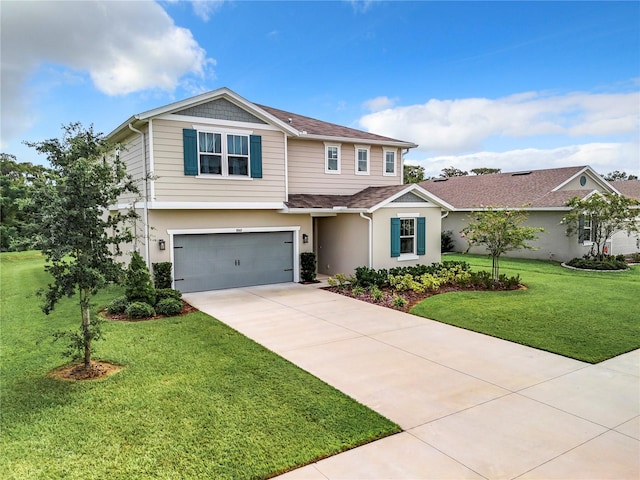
(124, 47)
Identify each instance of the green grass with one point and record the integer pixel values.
(589, 316)
(195, 400)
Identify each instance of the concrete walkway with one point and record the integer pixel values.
(471, 406)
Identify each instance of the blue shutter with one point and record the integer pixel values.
(255, 154)
(421, 236)
(190, 145)
(581, 229)
(395, 237)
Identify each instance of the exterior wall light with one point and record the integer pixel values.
(162, 244)
(305, 238)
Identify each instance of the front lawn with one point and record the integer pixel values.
(195, 399)
(589, 316)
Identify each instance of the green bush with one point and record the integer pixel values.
(446, 242)
(169, 307)
(140, 310)
(138, 287)
(376, 293)
(610, 263)
(399, 302)
(163, 293)
(162, 274)
(365, 277)
(308, 266)
(118, 305)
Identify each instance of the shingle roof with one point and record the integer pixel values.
(629, 188)
(517, 189)
(313, 126)
(367, 198)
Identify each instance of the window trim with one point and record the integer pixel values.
(586, 225)
(338, 147)
(413, 254)
(224, 162)
(384, 162)
(366, 148)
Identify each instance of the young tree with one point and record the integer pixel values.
(606, 214)
(413, 174)
(500, 231)
(77, 234)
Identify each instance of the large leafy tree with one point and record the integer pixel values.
(453, 172)
(413, 174)
(77, 234)
(499, 231)
(18, 181)
(618, 175)
(606, 214)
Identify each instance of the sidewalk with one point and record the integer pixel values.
(471, 406)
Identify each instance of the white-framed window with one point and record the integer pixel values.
(407, 236)
(332, 158)
(362, 160)
(586, 229)
(389, 164)
(224, 154)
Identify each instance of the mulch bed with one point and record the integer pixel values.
(122, 317)
(77, 372)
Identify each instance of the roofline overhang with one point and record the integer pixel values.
(223, 92)
(390, 142)
(322, 210)
(525, 209)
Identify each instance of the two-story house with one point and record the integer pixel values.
(235, 191)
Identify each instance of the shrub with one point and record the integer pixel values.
(610, 263)
(140, 310)
(118, 305)
(446, 242)
(163, 293)
(339, 280)
(430, 282)
(376, 293)
(366, 277)
(399, 302)
(308, 266)
(357, 290)
(162, 274)
(169, 307)
(138, 287)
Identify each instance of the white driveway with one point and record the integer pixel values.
(471, 406)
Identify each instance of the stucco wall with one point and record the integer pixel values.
(342, 243)
(553, 244)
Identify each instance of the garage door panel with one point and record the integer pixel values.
(226, 260)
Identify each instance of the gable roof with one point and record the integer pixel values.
(628, 188)
(535, 189)
(292, 124)
(367, 200)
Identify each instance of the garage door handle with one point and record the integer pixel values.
(288, 270)
(178, 280)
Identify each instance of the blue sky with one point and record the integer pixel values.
(511, 85)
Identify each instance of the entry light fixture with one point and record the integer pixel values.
(305, 238)
(162, 244)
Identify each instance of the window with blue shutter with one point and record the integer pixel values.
(395, 237)
(421, 250)
(256, 156)
(190, 146)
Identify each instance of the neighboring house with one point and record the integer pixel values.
(544, 194)
(237, 191)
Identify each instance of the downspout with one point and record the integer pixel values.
(402, 154)
(145, 207)
(370, 220)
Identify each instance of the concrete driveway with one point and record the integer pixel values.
(471, 406)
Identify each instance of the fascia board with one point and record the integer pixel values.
(306, 136)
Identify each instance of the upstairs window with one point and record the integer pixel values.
(389, 163)
(362, 160)
(222, 154)
(332, 158)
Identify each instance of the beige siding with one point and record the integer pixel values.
(131, 155)
(172, 185)
(163, 220)
(307, 169)
(590, 184)
(382, 236)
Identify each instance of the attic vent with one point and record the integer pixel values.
(440, 179)
(516, 174)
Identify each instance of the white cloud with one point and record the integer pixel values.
(463, 125)
(379, 103)
(123, 46)
(205, 8)
(603, 157)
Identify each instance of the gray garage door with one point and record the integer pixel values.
(227, 260)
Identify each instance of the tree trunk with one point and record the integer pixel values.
(495, 267)
(86, 326)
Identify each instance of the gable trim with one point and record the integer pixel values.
(417, 190)
(593, 175)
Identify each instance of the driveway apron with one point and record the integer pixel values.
(470, 405)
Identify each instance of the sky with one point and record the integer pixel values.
(510, 85)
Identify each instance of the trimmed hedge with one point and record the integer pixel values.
(140, 310)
